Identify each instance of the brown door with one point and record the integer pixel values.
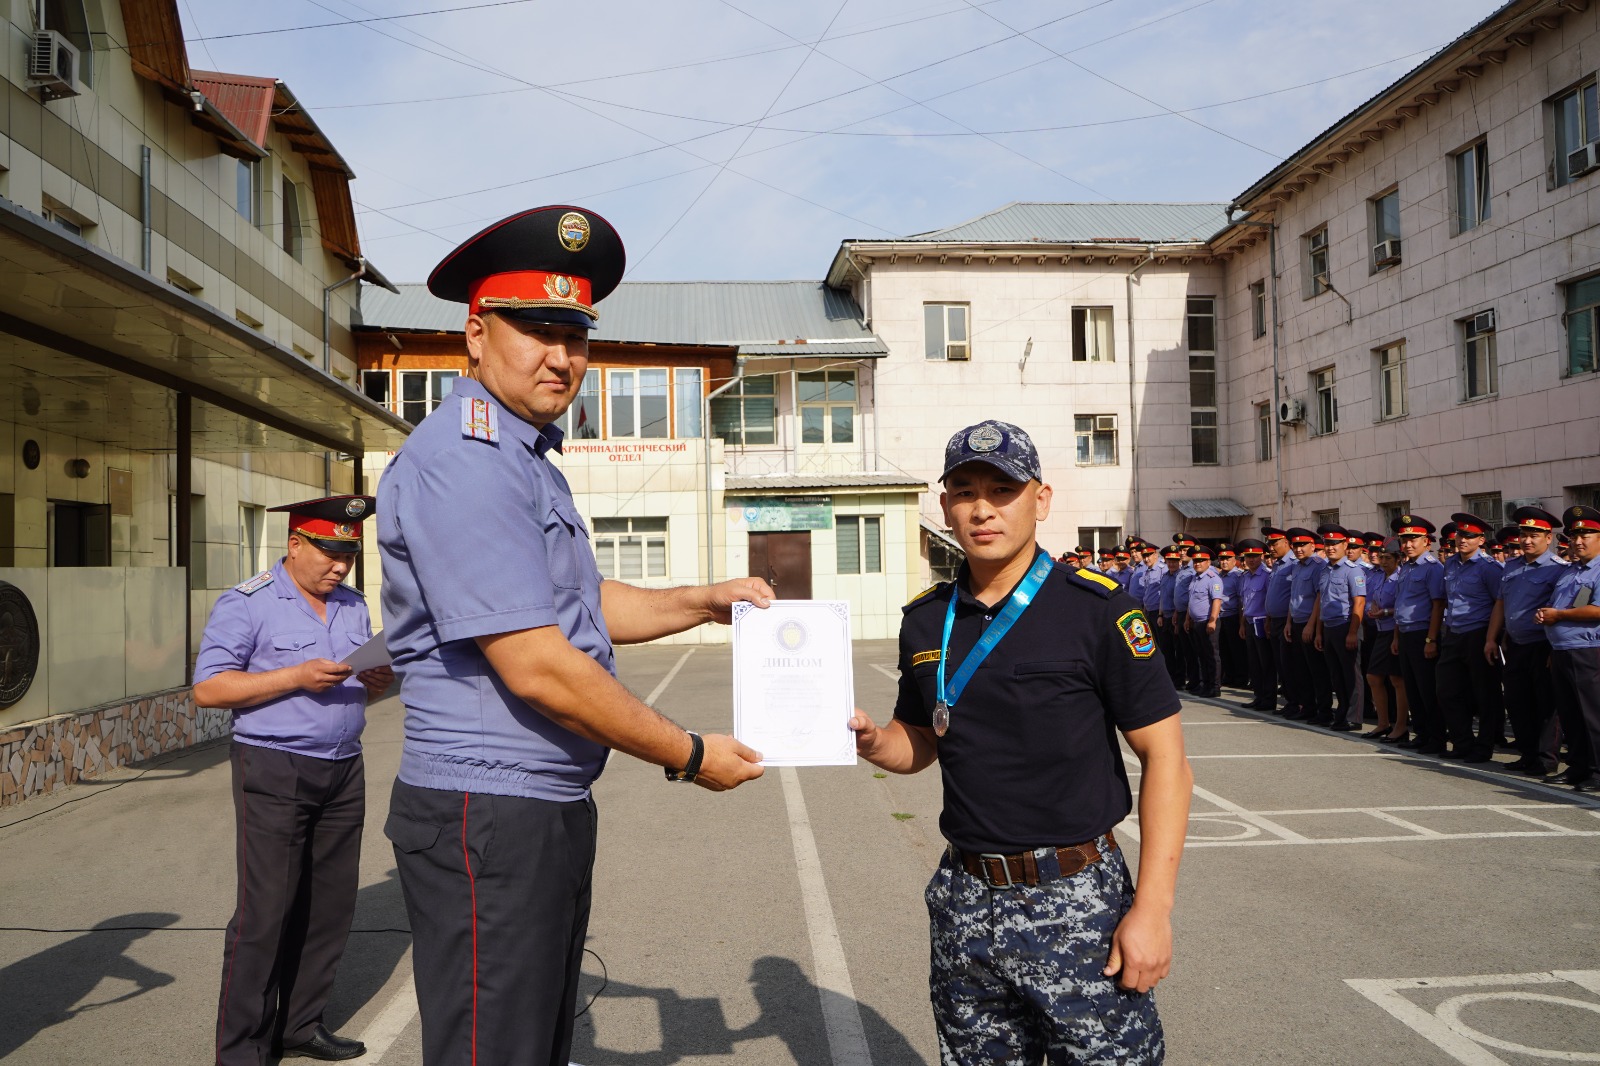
(784, 559)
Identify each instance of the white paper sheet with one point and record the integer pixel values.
(793, 691)
(373, 653)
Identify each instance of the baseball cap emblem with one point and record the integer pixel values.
(574, 230)
(355, 507)
(984, 439)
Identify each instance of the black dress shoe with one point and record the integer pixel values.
(324, 1045)
(1429, 749)
(1479, 756)
(1588, 784)
(1562, 777)
(1342, 727)
(1523, 765)
(1402, 741)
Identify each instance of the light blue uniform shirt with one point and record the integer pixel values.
(1575, 579)
(1180, 590)
(1232, 586)
(271, 626)
(1303, 587)
(1279, 587)
(1150, 592)
(1470, 589)
(1203, 589)
(1253, 592)
(1169, 591)
(1526, 586)
(1341, 583)
(1418, 583)
(480, 536)
(1381, 588)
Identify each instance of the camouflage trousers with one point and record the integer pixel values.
(1016, 971)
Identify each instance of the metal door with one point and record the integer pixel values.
(784, 559)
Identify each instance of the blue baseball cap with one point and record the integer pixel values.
(1000, 444)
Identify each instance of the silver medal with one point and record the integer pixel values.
(941, 718)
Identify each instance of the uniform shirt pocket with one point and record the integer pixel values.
(561, 545)
(291, 649)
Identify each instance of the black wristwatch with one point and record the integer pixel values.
(691, 769)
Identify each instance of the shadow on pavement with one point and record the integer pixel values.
(378, 941)
(790, 1011)
(45, 989)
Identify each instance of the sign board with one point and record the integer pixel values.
(780, 514)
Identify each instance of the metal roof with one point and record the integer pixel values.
(762, 318)
(1071, 223)
(1218, 508)
(791, 482)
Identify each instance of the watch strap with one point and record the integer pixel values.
(691, 769)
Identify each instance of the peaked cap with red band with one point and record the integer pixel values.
(1581, 520)
(1470, 525)
(1409, 525)
(1300, 535)
(1536, 518)
(549, 264)
(332, 523)
(1273, 533)
(1332, 533)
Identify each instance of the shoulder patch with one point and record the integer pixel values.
(925, 593)
(255, 584)
(352, 588)
(1137, 634)
(931, 656)
(1097, 583)
(480, 420)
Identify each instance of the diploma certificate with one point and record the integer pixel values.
(793, 694)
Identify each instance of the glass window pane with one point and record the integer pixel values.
(1591, 115)
(842, 386)
(620, 384)
(414, 395)
(760, 420)
(1080, 334)
(813, 387)
(630, 558)
(725, 419)
(1083, 447)
(1105, 448)
(605, 557)
(872, 537)
(1388, 216)
(958, 323)
(933, 331)
(847, 536)
(443, 382)
(689, 399)
(811, 425)
(1583, 293)
(375, 384)
(610, 525)
(1466, 190)
(1580, 342)
(761, 385)
(843, 419)
(584, 414)
(656, 557)
(653, 420)
(649, 525)
(1101, 318)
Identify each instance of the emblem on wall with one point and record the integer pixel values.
(19, 644)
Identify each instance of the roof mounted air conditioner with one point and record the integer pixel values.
(52, 65)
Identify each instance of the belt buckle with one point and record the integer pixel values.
(1009, 882)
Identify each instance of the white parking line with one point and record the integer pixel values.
(1420, 830)
(385, 1029)
(1284, 834)
(655, 693)
(1306, 755)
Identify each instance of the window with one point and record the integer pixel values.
(59, 218)
(1203, 445)
(1584, 495)
(860, 543)
(1097, 439)
(827, 406)
(748, 412)
(637, 403)
(1385, 230)
(1469, 170)
(1316, 262)
(1487, 506)
(1263, 432)
(581, 421)
(1392, 510)
(251, 521)
(1203, 438)
(247, 197)
(1583, 325)
(630, 549)
(944, 331)
(197, 542)
(1324, 518)
(291, 218)
(377, 386)
(1202, 316)
(1091, 335)
(1391, 363)
(689, 392)
(1576, 126)
(422, 390)
(1098, 537)
(1479, 373)
(1325, 406)
(1258, 309)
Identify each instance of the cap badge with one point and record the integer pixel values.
(985, 439)
(344, 531)
(355, 507)
(574, 231)
(559, 287)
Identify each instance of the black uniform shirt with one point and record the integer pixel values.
(1031, 757)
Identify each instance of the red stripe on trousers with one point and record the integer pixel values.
(472, 884)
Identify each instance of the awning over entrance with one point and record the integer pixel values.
(1212, 508)
(940, 535)
(59, 294)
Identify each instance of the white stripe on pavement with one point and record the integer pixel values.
(385, 1029)
(655, 693)
(841, 1015)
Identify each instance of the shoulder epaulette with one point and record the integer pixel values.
(255, 584)
(924, 594)
(352, 588)
(480, 420)
(1097, 583)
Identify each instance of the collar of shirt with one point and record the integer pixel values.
(286, 589)
(1547, 557)
(538, 440)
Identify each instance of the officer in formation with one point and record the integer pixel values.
(273, 652)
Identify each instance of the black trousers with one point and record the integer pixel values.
(1577, 685)
(1168, 641)
(1309, 671)
(1469, 687)
(1207, 661)
(1263, 663)
(1230, 647)
(1281, 654)
(497, 889)
(1417, 671)
(1341, 664)
(1531, 700)
(298, 822)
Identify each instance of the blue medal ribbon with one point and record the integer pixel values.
(1020, 599)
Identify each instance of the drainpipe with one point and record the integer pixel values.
(144, 208)
(705, 426)
(1133, 402)
(1278, 504)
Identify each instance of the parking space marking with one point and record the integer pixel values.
(1248, 825)
(892, 675)
(392, 1020)
(1512, 813)
(655, 693)
(1305, 755)
(1420, 830)
(1284, 834)
(1443, 1027)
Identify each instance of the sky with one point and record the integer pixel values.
(744, 139)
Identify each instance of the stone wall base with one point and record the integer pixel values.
(37, 758)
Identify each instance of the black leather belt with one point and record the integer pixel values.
(1036, 867)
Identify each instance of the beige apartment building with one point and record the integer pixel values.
(178, 267)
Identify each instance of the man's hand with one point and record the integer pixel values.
(1317, 639)
(319, 675)
(1188, 625)
(1141, 949)
(1308, 634)
(721, 597)
(1547, 616)
(377, 680)
(727, 763)
(1491, 652)
(1430, 650)
(1352, 639)
(1394, 643)
(1211, 625)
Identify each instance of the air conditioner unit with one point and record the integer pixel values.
(957, 352)
(1105, 423)
(1292, 412)
(52, 65)
(1483, 322)
(1584, 159)
(1386, 253)
(1513, 506)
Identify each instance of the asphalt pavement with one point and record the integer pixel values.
(1340, 903)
